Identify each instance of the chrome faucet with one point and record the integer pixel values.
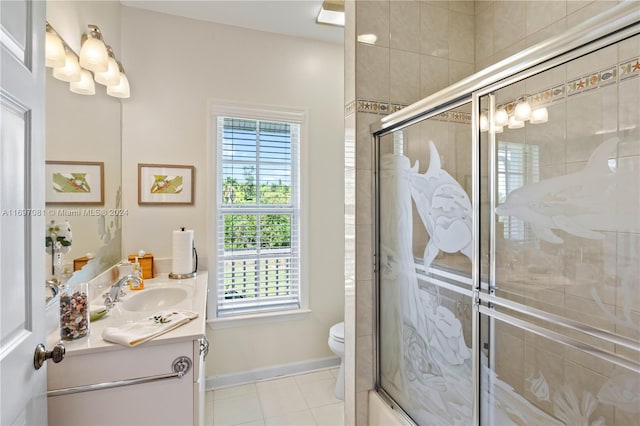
(116, 289)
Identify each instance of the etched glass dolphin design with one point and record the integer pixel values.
(444, 208)
(597, 198)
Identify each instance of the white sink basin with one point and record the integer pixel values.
(153, 299)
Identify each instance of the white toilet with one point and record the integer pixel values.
(336, 343)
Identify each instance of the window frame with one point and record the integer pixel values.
(262, 113)
(529, 172)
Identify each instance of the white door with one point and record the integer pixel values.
(22, 292)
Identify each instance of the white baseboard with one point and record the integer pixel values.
(243, 377)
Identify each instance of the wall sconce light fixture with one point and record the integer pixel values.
(523, 109)
(96, 61)
(93, 53)
(514, 123)
(84, 86)
(54, 49)
(70, 71)
(501, 117)
(539, 115)
(122, 89)
(513, 114)
(111, 77)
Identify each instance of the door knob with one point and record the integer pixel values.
(42, 354)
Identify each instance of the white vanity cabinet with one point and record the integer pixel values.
(171, 401)
(80, 387)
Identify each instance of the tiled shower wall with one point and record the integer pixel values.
(421, 47)
(503, 28)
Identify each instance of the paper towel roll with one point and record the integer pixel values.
(182, 262)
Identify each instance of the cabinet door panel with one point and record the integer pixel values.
(165, 402)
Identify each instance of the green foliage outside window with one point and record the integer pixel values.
(241, 230)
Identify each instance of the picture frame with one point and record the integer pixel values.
(74, 182)
(165, 184)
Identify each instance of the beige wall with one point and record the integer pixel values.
(421, 47)
(175, 66)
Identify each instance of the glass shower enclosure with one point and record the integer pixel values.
(508, 240)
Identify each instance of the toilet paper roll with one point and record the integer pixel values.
(182, 262)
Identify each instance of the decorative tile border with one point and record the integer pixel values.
(384, 108)
(548, 96)
(629, 69)
(542, 98)
(610, 75)
(592, 81)
(454, 117)
(375, 107)
(396, 107)
(349, 108)
(371, 107)
(595, 80)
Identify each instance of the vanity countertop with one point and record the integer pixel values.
(195, 300)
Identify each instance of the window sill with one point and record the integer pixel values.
(259, 318)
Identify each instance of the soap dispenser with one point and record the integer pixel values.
(137, 270)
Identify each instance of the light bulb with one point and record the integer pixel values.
(498, 129)
(539, 115)
(54, 50)
(94, 56)
(522, 111)
(70, 71)
(514, 123)
(501, 117)
(85, 86)
(121, 90)
(111, 77)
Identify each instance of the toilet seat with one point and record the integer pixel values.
(337, 332)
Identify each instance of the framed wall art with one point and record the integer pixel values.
(74, 182)
(165, 184)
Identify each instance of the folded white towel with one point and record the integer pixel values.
(134, 333)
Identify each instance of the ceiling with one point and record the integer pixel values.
(291, 17)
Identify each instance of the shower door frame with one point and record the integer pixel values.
(614, 25)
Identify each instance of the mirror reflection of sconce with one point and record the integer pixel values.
(96, 63)
(513, 115)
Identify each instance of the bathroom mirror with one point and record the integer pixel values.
(85, 129)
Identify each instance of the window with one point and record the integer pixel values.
(518, 165)
(258, 214)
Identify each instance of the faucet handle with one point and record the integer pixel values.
(108, 300)
(108, 303)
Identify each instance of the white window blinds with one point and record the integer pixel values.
(518, 165)
(258, 253)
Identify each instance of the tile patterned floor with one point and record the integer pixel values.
(301, 400)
